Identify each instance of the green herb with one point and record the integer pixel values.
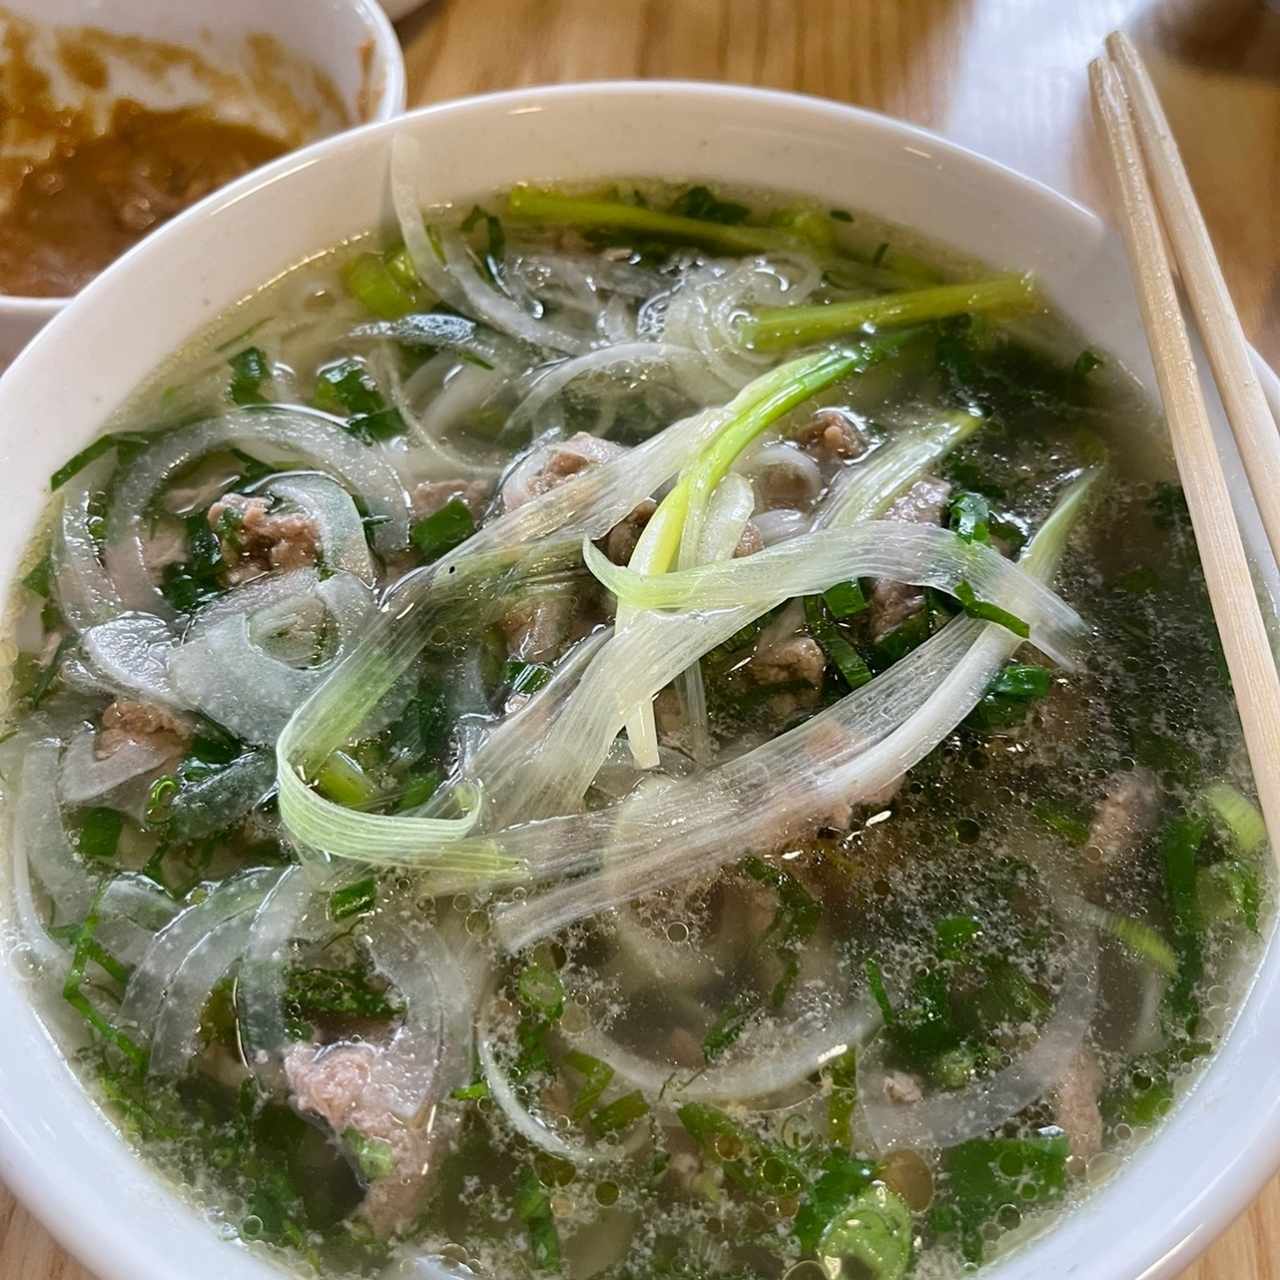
(1086, 362)
(1179, 850)
(312, 992)
(845, 599)
(1230, 890)
(472, 1092)
(99, 833)
(756, 1167)
(976, 608)
(347, 389)
(596, 1078)
(699, 202)
(840, 215)
(1063, 821)
(43, 678)
(540, 990)
(874, 1230)
(983, 1174)
(619, 1114)
(841, 1177)
(419, 789)
(971, 517)
(39, 579)
(249, 370)
(125, 441)
(442, 530)
(842, 1072)
(848, 661)
(526, 677)
(373, 1156)
(533, 1209)
(772, 328)
(342, 780)
(354, 900)
(1020, 680)
(189, 584)
(86, 948)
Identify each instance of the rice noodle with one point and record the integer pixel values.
(287, 435)
(406, 171)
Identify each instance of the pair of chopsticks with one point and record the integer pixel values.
(1152, 188)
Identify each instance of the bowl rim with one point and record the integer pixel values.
(1204, 1207)
(389, 103)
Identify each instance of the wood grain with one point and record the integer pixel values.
(1004, 76)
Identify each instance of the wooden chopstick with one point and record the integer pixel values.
(1219, 324)
(1226, 570)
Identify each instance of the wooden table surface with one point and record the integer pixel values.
(1004, 76)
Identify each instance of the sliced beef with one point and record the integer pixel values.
(539, 627)
(127, 721)
(620, 542)
(256, 539)
(334, 1082)
(893, 603)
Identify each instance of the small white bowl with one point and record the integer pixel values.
(350, 41)
(57, 1152)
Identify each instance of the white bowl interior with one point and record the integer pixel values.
(55, 1150)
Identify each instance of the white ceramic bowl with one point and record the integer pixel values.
(56, 1150)
(351, 41)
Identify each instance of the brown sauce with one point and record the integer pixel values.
(95, 197)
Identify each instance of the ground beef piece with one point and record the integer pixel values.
(127, 721)
(431, 495)
(256, 540)
(833, 435)
(797, 658)
(335, 1083)
(892, 603)
(1076, 1104)
(553, 464)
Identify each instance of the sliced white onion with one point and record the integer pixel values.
(406, 175)
(494, 308)
(797, 1051)
(176, 1039)
(223, 670)
(39, 829)
(86, 594)
(294, 909)
(780, 524)
(145, 995)
(131, 652)
(619, 359)
(430, 1054)
(280, 435)
(85, 779)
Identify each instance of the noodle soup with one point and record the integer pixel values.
(630, 733)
